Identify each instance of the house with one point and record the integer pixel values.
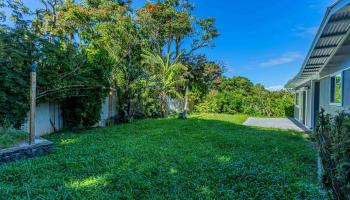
(324, 78)
(48, 118)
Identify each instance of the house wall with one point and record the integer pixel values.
(298, 110)
(325, 94)
(324, 98)
(308, 107)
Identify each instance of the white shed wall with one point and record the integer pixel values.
(45, 114)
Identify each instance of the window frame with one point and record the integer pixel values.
(297, 99)
(332, 98)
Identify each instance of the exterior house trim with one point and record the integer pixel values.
(341, 86)
(331, 10)
(328, 55)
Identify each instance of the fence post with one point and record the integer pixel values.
(32, 104)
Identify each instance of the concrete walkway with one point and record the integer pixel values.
(280, 123)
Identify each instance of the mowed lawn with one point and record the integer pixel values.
(206, 156)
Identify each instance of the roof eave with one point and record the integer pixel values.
(293, 83)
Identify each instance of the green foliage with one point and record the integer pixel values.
(89, 48)
(123, 43)
(165, 76)
(81, 112)
(201, 75)
(67, 70)
(239, 95)
(169, 23)
(10, 137)
(14, 78)
(333, 138)
(204, 157)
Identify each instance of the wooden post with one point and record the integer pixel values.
(186, 101)
(32, 105)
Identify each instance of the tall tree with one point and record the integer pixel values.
(168, 24)
(123, 42)
(172, 28)
(202, 76)
(166, 76)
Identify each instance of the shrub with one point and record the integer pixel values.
(238, 95)
(81, 112)
(14, 79)
(333, 139)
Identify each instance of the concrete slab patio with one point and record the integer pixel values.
(280, 123)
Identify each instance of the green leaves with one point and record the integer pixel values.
(333, 140)
(86, 48)
(14, 78)
(240, 95)
(167, 75)
(170, 24)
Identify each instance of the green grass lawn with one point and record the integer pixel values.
(206, 156)
(10, 137)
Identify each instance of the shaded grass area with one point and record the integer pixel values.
(10, 137)
(206, 156)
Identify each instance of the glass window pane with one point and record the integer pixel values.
(297, 99)
(338, 88)
(332, 98)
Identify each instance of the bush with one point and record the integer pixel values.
(238, 95)
(81, 112)
(14, 79)
(333, 139)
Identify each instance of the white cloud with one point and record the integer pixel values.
(283, 59)
(276, 88)
(302, 31)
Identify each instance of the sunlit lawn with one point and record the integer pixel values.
(207, 156)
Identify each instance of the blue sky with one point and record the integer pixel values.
(264, 40)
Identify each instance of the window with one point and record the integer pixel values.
(297, 99)
(336, 89)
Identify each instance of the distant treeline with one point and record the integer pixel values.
(240, 95)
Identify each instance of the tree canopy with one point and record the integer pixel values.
(89, 49)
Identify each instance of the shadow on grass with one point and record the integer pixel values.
(168, 158)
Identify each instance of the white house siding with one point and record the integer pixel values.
(324, 98)
(325, 94)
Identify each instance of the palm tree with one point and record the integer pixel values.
(166, 74)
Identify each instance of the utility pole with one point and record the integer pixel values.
(32, 103)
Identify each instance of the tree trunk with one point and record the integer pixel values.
(177, 47)
(164, 105)
(130, 111)
(186, 110)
